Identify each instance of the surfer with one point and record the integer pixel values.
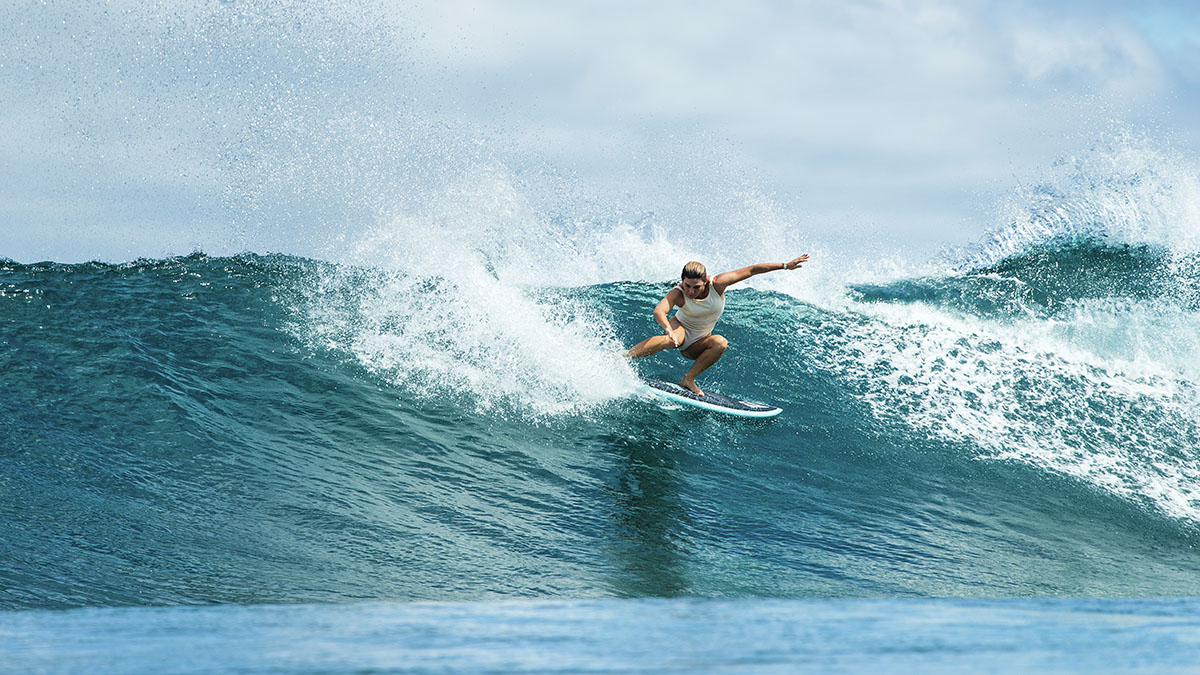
(700, 300)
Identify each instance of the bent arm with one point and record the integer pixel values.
(727, 279)
(672, 298)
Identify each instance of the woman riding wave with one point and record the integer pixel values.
(700, 300)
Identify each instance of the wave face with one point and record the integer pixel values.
(277, 429)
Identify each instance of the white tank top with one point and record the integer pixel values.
(700, 316)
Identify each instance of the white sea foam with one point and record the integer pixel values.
(1088, 396)
(458, 306)
(1104, 388)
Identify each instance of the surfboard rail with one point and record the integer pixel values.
(712, 400)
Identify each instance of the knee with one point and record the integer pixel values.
(719, 343)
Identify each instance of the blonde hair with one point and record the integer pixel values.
(693, 270)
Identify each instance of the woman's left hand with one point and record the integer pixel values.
(793, 264)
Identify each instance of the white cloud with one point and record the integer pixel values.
(899, 115)
(1112, 59)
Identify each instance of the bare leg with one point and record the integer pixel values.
(657, 343)
(705, 351)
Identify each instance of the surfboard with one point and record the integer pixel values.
(711, 400)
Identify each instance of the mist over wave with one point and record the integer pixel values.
(1124, 190)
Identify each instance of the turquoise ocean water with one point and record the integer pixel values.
(296, 442)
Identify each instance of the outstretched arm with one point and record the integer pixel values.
(727, 279)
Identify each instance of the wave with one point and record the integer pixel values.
(1044, 280)
(269, 428)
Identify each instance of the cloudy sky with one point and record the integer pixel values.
(133, 131)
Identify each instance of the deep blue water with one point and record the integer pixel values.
(260, 430)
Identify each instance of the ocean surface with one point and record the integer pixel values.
(616, 636)
(395, 460)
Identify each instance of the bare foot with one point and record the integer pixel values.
(690, 384)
